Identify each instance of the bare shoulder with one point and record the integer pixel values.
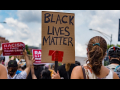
(115, 76)
(76, 72)
(77, 68)
(2, 68)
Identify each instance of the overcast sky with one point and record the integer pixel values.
(25, 26)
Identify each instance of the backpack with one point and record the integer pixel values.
(117, 70)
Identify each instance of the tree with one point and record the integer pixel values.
(108, 46)
(26, 47)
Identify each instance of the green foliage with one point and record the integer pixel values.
(106, 63)
(10, 56)
(108, 46)
(28, 52)
(26, 47)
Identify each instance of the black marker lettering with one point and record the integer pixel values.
(52, 41)
(58, 19)
(63, 20)
(52, 18)
(44, 39)
(67, 31)
(64, 39)
(61, 31)
(48, 30)
(56, 39)
(70, 41)
(60, 40)
(46, 21)
(70, 19)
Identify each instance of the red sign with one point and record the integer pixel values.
(37, 55)
(56, 55)
(10, 49)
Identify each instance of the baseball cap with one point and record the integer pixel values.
(12, 63)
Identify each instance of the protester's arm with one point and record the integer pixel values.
(3, 72)
(19, 61)
(115, 76)
(77, 73)
(27, 62)
(1, 52)
(32, 69)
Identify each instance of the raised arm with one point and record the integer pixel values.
(32, 69)
(1, 52)
(27, 62)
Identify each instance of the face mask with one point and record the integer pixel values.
(115, 61)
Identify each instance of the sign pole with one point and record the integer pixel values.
(56, 66)
(56, 61)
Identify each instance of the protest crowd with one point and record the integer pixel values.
(93, 69)
(58, 46)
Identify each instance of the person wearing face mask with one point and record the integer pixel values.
(114, 59)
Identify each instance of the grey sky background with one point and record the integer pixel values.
(25, 26)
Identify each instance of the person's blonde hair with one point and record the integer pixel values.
(67, 66)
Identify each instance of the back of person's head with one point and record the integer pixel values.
(114, 54)
(23, 67)
(77, 63)
(45, 74)
(1, 59)
(12, 67)
(97, 48)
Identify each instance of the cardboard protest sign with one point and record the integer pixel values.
(37, 55)
(10, 49)
(58, 34)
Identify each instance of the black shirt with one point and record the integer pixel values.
(63, 73)
(37, 69)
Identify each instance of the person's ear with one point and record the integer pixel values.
(109, 57)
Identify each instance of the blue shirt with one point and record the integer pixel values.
(18, 71)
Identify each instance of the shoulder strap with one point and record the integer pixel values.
(116, 68)
(83, 72)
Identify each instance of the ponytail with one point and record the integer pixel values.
(95, 57)
(67, 66)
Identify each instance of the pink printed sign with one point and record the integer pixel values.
(37, 56)
(10, 49)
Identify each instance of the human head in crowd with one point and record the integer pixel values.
(96, 49)
(45, 74)
(53, 66)
(1, 59)
(23, 67)
(78, 63)
(3, 62)
(114, 55)
(12, 67)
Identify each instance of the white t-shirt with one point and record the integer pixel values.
(22, 75)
